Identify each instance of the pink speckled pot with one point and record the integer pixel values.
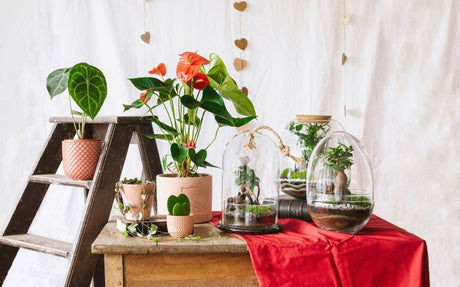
(80, 158)
(179, 226)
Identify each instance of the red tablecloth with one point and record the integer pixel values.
(381, 254)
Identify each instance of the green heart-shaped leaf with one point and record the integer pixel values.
(88, 88)
(178, 153)
(57, 81)
(178, 205)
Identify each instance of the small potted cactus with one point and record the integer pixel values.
(179, 220)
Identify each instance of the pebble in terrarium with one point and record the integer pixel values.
(340, 193)
(249, 186)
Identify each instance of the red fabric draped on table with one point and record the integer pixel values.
(381, 254)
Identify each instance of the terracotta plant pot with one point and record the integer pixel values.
(80, 158)
(132, 196)
(198, 190)
(180, 226)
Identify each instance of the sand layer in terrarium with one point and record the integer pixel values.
(344, 217)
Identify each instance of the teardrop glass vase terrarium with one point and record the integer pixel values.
(249, 184)
(340, 191)
(303, 134)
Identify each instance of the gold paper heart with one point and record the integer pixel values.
(146, 37)
(240, 6)
(239, 64)
(241, 43)
(344, 59)
(245, 90)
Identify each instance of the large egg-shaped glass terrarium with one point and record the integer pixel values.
(250, 187)
(302, 134)
(340, 191)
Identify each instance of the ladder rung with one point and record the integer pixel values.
(38, 243)
(60, 179)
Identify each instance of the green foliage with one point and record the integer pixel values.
(308, 135)
(86, 85)
(248, 176)
(178, 205)
(185, 107)
(262, 210)
(339, 158)
(134, 181)
(285, 173)
(356, 200)
(301, 174)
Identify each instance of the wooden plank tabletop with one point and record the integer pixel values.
(213, 240)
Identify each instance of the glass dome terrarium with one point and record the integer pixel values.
(303, 134)
(340, 195)
(249, 184)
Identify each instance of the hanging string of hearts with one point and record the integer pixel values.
(241, 43)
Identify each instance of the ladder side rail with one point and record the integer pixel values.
(29, 203)
(99, 203)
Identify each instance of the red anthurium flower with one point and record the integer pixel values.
(142, 97)
(189, 65)
(159, 70)
(191, 144)
(200, 81)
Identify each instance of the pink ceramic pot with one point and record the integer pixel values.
(132, 196)
(198, 190)
(180, 226)
(80, 158)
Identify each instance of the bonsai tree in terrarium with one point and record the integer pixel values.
(249, 182)
(339, 159)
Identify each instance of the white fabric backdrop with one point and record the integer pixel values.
(400, 89)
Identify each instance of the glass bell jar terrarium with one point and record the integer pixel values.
(340, 195)
(302, 134)
(250, 187)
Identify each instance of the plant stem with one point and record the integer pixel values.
(215, 136)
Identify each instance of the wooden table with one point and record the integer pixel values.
(217, 259)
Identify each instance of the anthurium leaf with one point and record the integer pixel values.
(169, 129)
(147, 83)
(134, 105)
(207, 164)
(190, 102)
(178, 153)
(220, 80)
(88, 88)
(191, 118)
(158, 136)
(200, 157)
(57, 81)
(234, 122)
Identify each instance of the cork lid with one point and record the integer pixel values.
(313, 118)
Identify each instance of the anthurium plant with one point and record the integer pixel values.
(86, 85)
(186, 100)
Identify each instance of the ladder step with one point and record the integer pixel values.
(38, 243)
(60, 179)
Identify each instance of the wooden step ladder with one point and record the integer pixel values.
(117, 133)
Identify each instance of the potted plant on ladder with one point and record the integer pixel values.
(186, 103)
(87, 87)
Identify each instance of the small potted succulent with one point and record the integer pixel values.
(179, 221)
(135, 198)
(87, 87)
(199, 90)
(340, 185)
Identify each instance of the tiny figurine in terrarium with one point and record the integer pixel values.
(308, 131)
(340, 184)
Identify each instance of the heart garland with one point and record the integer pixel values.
(241, 43)
(239, 64)
(240, 6)
(146, 37)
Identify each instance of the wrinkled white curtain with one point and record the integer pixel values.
(398, 93)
